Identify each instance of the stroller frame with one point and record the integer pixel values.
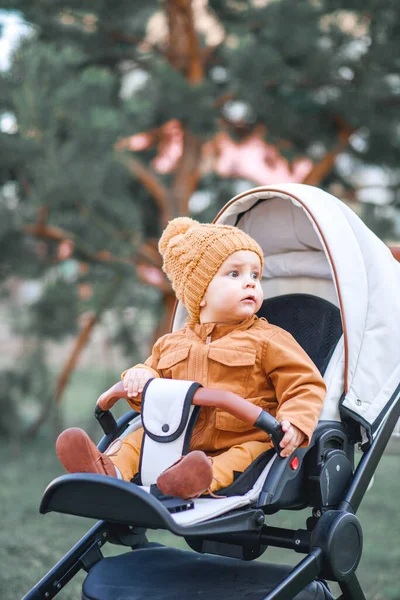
(328, 531)
(332, 540)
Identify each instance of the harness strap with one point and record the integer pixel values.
(168, 418)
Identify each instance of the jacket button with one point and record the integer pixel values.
(165, 427)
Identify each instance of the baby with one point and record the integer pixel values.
(216, 272)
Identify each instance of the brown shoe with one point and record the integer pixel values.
(188, 478)
(78, 454)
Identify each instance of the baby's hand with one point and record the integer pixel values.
(135, 380)
(291, 440)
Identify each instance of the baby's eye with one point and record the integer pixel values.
(255, 275)
(233, 273)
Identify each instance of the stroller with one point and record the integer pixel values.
(334, 286)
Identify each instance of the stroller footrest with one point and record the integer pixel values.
(172, 503)
(116, 501)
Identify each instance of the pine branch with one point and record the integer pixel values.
(55, 234)
(104, 224)
(71, 363)
(188, 172)
(141, 44)
(321, 169)
(150, 181)
(219, 102)
(83, 338)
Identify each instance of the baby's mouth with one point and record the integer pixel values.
(251, 298)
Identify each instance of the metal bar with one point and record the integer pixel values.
(369, 461)
(121, 425)
(297, 540)
(298, 578)
(69, 565)
(351, 589)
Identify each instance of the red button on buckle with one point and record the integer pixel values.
(294, 463)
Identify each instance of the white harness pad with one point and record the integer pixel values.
(168, 418)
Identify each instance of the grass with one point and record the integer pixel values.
(30, 544)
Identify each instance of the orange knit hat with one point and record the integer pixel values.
(193, 252)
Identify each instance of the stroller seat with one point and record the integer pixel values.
(141, 503)
(314, 322)
(316, 325)
(311, 241)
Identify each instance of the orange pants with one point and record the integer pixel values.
(237, 458)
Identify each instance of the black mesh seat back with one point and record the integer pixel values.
(314, 322)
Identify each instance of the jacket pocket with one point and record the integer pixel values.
(174, 364)
(233, 357)
(226, 422)
(231, 367)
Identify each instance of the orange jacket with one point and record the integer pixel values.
(254, 359)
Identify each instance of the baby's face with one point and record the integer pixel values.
(235, 291)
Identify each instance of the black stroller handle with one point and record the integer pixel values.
(228, 401)
(241, 409)
(106, 420)
(270, 425)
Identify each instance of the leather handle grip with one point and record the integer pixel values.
(111, 396)
(241, 409)
(228, 401)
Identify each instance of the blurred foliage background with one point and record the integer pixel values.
(118, 116)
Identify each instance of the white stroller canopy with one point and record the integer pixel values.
(306, 232)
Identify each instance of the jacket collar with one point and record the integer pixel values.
(218, 330)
